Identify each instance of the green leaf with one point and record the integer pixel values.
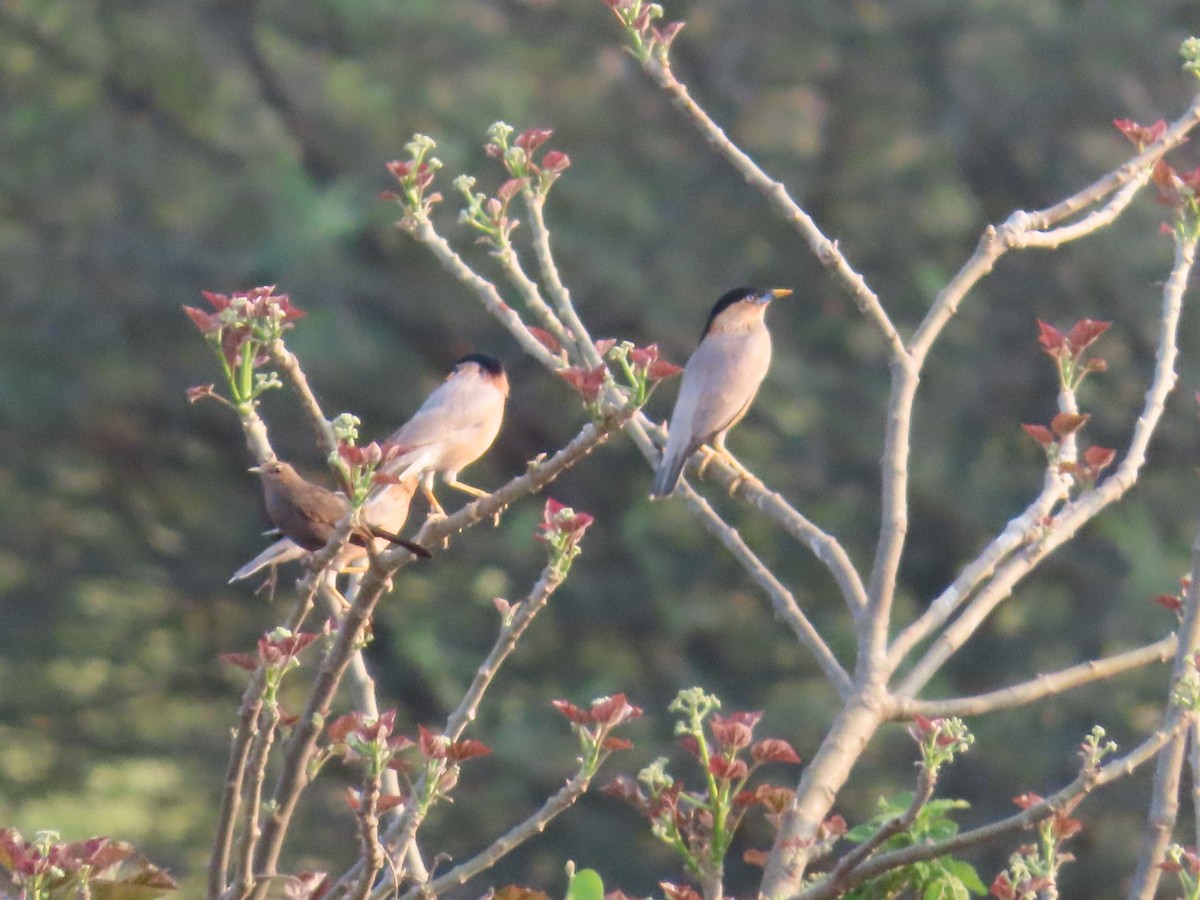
(965, 873)
(585, 885)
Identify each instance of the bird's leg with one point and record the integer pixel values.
(741, 472)
(435, 508)
(452, 481)
(708, 454)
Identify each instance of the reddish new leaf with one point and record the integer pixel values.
(774, 750)
(1084, 333)
(1052, 340)
(1039, 433)
(1068, 423)
(546, 339)
(1099, 457)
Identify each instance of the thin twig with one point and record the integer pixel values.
(368, 829)
(561, 801)
(1164, 803)
(1043, 686)
(256, 768)
(531, 294)
(548, 582)
(926, 782)
(287, 361)
(424, 232)
(826, 251)
(535, 203)
(243, 735)
(456, 723)
(996, 241)
(782, 601)
(231, 797)
(1016, 534)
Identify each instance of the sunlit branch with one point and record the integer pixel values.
(424, 232)
(1075, 514)
(558, 803)
(1043, 686)
(1164, 795)
(826, 251)
(535, 203)
(287, 361)
(782, 600)
(1022, 228)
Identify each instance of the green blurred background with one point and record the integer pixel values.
(154, 149)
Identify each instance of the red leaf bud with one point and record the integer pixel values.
(1039, 433)
(1068, 423)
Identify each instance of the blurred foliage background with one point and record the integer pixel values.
(154, 149)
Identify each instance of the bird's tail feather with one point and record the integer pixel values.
(279, 552)
(414, 549)
(667, 476)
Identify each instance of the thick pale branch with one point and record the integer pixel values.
(826, 251)
(1043, 686)
(893, 520)
(823, 777)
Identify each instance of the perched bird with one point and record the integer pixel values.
(308, 514)
(453, 427)
(719, 382)
(386, 507)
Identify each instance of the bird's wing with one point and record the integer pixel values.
(450, 414)
(723, 384)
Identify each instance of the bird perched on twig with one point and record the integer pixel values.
(386, 507)
(455, 426)
(308, 514)
(719, 382)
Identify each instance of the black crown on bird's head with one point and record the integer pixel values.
(736, 296)
(489, 364)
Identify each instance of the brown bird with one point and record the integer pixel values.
(308, 514)
(386, 507)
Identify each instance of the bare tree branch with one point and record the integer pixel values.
(826, 251)
(1164, 802)
(1077, 513)
(503, 845)
(1043, 686)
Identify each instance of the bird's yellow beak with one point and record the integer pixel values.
(257, 470)
(780, 293)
